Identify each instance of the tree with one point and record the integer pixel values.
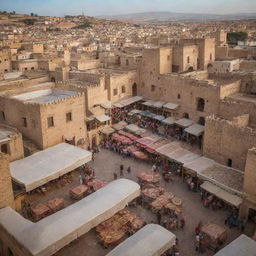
(234, 37)
(31, 14)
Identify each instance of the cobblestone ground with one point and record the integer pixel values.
(105, 163)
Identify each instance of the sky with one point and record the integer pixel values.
(114, 7)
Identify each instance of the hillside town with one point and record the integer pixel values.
(123, 138)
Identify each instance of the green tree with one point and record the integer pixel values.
(234, 37)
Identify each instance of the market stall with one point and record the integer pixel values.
(79, 192)
(149, 178)
(114, 230)
(214, 235)
(152, 240)
(56, 204)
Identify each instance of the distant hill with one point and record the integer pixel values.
(172, 16)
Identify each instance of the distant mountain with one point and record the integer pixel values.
(172, 16)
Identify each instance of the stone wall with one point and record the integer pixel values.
(6, 191)
(221, 140)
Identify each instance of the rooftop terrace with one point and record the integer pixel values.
(44, 96)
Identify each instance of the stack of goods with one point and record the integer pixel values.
(115, 230)
(96, 184)
(151, 194)
(56, 204)
(145, 178)
(40, 211)
(132, 149)
(140, 155)
(161, 201)
(79, 192)
(128, 135)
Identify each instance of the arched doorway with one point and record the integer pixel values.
(190, 69)
(201, 120)
(210, 68)
(186, 115)
(53, 79)
(200, 104)
(134, 89)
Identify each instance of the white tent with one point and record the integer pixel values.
(49, 164)
(195, 129)
(52, 233)
(242, 246)
(152, 240)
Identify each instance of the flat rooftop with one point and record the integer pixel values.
(45, 96)
(5, 133)
(243, 97)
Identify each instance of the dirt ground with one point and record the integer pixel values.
(105, 163)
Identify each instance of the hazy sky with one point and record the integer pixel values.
(110, 7)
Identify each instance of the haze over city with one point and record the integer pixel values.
(116, 7)
(127, 128)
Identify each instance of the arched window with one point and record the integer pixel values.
(210, 56)
(178, 96)
(127, 62)
(188, 59)
(200, 104)
(123, 89)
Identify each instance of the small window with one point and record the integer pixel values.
(69, 117)
(153, 87)
(229, 162)
(168, 57)
(115, 92)
(188, 59)
(24, 122)
(26, 68)
(5, 59)
(32, 68)
(127, 62)
(178, 96)
(4, 148)
(2, 116)
(211, 56)
(6, 70)
(50, 121)
(123, 89)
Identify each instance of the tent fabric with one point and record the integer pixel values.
(195, 129)
(158, 104)
(130, 101)
(107, 130)
(135, 111)
(152, 240)
(178, 154)
(171, 106)
(241, 246)
(132, 128)
(106, 105)
(222, 194)
(149, 103)
(168, 148)
(159, 117)
(103, 118)
(49, 164)
(200, 164)
(184, 122)
(52, 233)
(168, 121)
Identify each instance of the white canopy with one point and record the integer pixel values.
(171, 106)
(184, 122)
(168, 120)
(242, 246)
(49, 164)
(130, 101)
(158, 104)
(152, 240)
(52, 233)
(107, 130)
(222, 194)
(149, 103)
(132, 128)
(102, 118)
(106, 105)
(195, 129)
(200, 164)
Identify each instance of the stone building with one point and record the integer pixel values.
(47, 117)
(11, 142)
